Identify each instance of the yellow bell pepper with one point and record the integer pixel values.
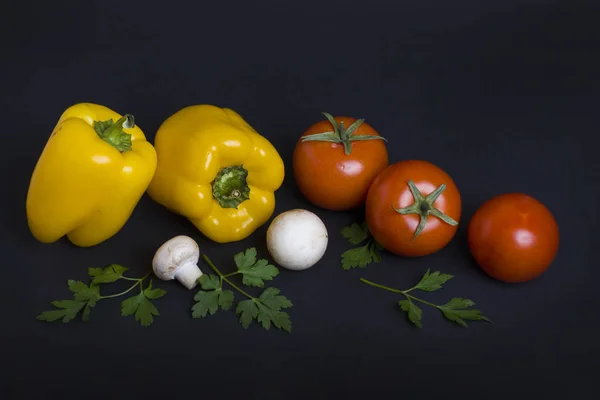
(92, 172)
(217, 171)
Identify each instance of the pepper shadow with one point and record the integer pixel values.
(19, 157)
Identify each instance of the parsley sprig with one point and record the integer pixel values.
(366, 253)
(86, 296)
(456, 310)
(266, 309)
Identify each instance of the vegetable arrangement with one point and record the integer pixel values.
(210, 166)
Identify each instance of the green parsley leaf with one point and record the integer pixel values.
(68, 310)
(210, 282)
(68, 304)
(211, 297)
(456, 310)
(374, 249)
(247, 310)
(432, 282)
(458, 303)
(84, 298)
(255, 274)
(130, 305)
(414, 312)
(142, 307)
(270, 298)
(112, 273)
(209, 302)
(83, 292)
(85, 315)
(355, 233)
(356, 257)
(206, 303)
(360, 257)
(95, 271)
(226, 299)
(155, 293)
(267, 316)
(266, 310)
(245, 259)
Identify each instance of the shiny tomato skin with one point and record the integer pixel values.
(513, 237)
(331, 179)
(395, 231)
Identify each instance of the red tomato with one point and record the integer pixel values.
(396, 231)
(334, 170)
(513, 237)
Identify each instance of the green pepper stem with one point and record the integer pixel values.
(230, 187)
(112, 132)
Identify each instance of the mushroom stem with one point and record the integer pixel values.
(177, 258)
(188, 275)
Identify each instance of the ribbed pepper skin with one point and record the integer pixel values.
(193, 146)
(82, 186)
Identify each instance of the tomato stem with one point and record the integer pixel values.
(340, 134)
(423, 206)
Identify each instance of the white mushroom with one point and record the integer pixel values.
(297, 239)
(177, 259)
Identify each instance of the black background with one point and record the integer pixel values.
(503, 95)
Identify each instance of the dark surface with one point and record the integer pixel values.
(504, 97)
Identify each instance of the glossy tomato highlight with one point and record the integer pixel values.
(413, 208)
(513, 237)
(335, 161)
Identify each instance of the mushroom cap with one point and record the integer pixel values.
(297, 239)
(173, 254)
